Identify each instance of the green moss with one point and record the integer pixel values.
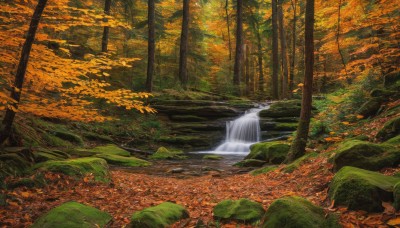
(250, 163)
(212, 157)
(68, 136)
(79, 168)
(123, 161)
(365, 155)
(370, 107)
(396, 196)
(188, 118)
(289, 108)
(73, 215)
(262, 170)
(110, 149)
(296, 212)
(389, 130)
(271, 152)
(298, 162)
(285, 126)
(160, 216)
(242, 210)
(164, 153)
(97, 137)
(13, 164)
(360, 189)
(52, 140)
(394, 141)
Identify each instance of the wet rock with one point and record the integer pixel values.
(271, 152)
(176, 170)
(389, 130)
(250, 163)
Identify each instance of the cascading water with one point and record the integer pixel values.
(241, 133)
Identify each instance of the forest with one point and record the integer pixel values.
(200, 113)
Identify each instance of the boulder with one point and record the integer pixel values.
(263, 170)
(250, 163)
(296, 212)
(396, 196)
(73, 214)
(285, 127)
(187, 118)
(123, 161)
(160, 216)
(289, 108)
(212, 157)
(360, 189)
(68, 136)
(389, 130)
(164, 153)
(394, 141)
(365, 155)
(382, 93)
(42, 155)
(370, 107)
(242, 210)
(271, 152)
(109, 149)
(78, 168)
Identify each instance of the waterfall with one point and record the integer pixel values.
(241, 133)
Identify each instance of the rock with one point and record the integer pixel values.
(181, 140)
(209, 112)
(43, 155)
(389, 130)
(271, 152)
(109, 149)
(298, 162)
(263, 170)
(160, 216)
(97, 137)
(250, 163)
(287, 119)
(290, 108)
(370, 107)
(164, 153)
(285, 127)
(176, 170)
(78, 168)
(296, 212)
(267, 125)
(382, 93)
(365, 155)
(13, 164)
(242, 210)
(396, 196)
(360, 189)
(212, 157)
(73, 214)
(123, 161)
(394, 141)
(68, 136)
(187, 118)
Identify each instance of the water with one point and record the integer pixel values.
(241, 133)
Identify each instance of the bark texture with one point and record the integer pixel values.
(151, 45)
(183, 76)
(106, 30)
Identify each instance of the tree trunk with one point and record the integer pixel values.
(275, 93)
(298, 146)
(151, 45)
(106, 31)
(285, 72)
(229, 29)
(183, 76)
(247, 62)
(20, 75)
(291, 77)
(338, 43)
(239, 42)
(260, 63)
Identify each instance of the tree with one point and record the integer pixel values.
(283, 52)
(20, 75)
(275, 63)
(229, 30)
(298, 146)
(151, 45)
(239, 44)
(106, 31)
(183, 76)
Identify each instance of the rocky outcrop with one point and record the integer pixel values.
(270, 152)
(242, 210)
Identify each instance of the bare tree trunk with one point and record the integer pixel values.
(183, 76)
(275, 84)
(247, 62)
(20, 75)
(229, 29)
(285, 72)
(298, 146)
(151, 45)
(338, 43)
(291, 75)
(260, 63)
(239, 42)
(106, 31)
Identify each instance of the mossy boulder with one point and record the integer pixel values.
(97, 137)
(187, 118)
(160, 216)
(396, 196)
(296, 212)
(263, 170)
(242, 210)
(212, 157)
(370, 107)
(109, 149)
(68, 136)
(389, 130)
(73, 215)
(250, 163)
(43, 155)
(382, 93)
(271, 152)
(298, 162)
(285, 126)
(123, 161)
(394, 141)
(289, 108)
(360, 189)
(164, 153)
(78, 168)
(365, 155)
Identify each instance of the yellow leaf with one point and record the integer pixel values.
(360, 116)
(346, 123)
(106, 74)
(394, 222)
(25, 194)
(300, 85)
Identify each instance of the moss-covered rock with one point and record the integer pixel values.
(164, 153)
(360, 189)
(250, 163)
(394, 141)
(298, 162)
(181, 140)
(271, 152)
(78, 168)
(263, 170)
(160, 216)
(43, 155)
(396, 196)
(289, 108)
(382, 93)
(68, 136)
(212, 157)
(296, 212)
(123, 161)
(188, 118)
(242, 210)
(365, 155)
(391, 78)
(389, 130)
(97, 137)
(370, 107)
(109, 149)
(285, 126)
(13, 164)
(73, 215)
